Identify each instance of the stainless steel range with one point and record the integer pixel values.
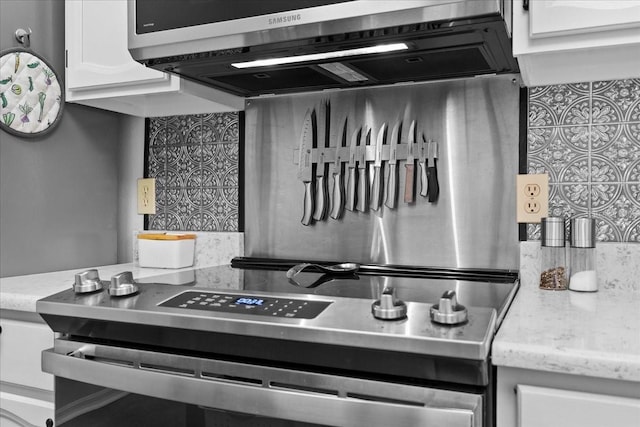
(386, 344)
(251, 344)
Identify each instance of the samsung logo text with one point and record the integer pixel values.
(284, 19)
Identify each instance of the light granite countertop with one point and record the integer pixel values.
(592, 334)
(20, 293)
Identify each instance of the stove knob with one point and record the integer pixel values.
(448, 311)
(122, 285)
(87, 281)
(388, 307)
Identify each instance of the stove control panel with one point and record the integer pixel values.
(247, 304)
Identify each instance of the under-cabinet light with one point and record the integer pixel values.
(320, 56)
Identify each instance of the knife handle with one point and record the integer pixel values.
(434, 186)
(307, 215)
(351, 189)
(320, 212)
(376, 188)
(337, 207)
(409, 189)
(392, 187)
(424, 183)
(363, 190)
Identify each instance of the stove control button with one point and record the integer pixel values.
(448, 311)
(388, 307)
(87, 281)
(122, 285)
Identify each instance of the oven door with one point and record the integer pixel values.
(100, 385)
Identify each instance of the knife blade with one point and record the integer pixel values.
(322, 172)
(306, 167)
(392, 184)
(409, 188)
(432, 172)
(352, 180)
(376, 188)
(337, 203)
(422, 160)
(362, 203)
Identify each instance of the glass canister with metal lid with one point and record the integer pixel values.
(553, 259)
(582, 252)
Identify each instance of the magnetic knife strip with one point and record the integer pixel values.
(360, 195)
(431, 151)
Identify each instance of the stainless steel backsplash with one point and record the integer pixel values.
(472, 225)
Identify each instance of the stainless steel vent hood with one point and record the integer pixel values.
(220, 43)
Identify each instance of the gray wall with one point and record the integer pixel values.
(58, 193)
(130, 168)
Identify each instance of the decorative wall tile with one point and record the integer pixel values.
(575, 170)
(602, 135)
(194, 159)
(559, 104)
(586, 136)
(623, 95)
(570, 199)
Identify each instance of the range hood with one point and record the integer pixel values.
(314, 45)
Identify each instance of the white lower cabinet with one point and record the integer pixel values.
(527, 398)
(552, 407)
(26, 393)
(20, 411)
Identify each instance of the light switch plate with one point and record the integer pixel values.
(147, 196)
(532, 197)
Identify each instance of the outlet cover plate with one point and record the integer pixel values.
(532, 197)
(147, 196)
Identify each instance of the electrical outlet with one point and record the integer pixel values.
(147, 196)
(532, 197)
(532, 190)
(532, 207)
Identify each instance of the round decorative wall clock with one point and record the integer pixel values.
(31, 93)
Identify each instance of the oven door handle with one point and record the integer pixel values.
(260, 400)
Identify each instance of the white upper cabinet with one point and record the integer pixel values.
(565, 41)
(101, 73)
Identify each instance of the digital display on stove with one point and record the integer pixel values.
(249, 301)
(274, 306)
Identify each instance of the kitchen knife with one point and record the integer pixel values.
(392, 184)
(322, 172)
(422, 160)
(353, 177)
(362, 203)
(409, 188)
(376, 188)
(432, 172)
(337, 206)
(308, 140)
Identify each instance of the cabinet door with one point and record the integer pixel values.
(96, 43)
(550, 407)
(21, 345)
(550, 18)
(21, 411)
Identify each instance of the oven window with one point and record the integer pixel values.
(158, 15)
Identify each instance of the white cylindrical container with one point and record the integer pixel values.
(583, 255)
(553, 266)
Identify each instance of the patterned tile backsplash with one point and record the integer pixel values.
(586, 136)
(195, 160)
